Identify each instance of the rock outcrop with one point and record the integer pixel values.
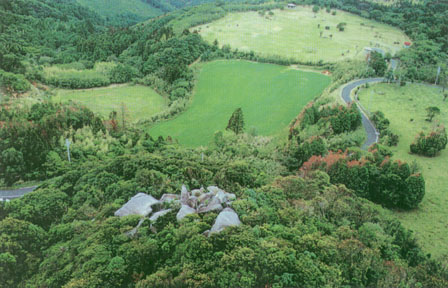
(213, 199)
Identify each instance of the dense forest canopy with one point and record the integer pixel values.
(311, 208)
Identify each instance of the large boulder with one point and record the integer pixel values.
(184, 195)
(184, 211)
(226, 218)
(140, 204)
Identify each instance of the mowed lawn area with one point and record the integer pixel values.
(141, 102)
(400, 105)
(295, 33)
(269, 95)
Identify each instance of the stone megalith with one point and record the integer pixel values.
(226, 217)
(140, 204)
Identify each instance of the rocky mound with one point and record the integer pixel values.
(201, 200)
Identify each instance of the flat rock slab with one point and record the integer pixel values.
(140, 204)
(226, 218)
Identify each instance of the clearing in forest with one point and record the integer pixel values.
(140, 102)
(269, 95)
(405, 109)
(301, 34)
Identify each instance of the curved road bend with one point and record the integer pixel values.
(17, 193)
(372, 133)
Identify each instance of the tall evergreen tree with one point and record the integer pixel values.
(236, 121)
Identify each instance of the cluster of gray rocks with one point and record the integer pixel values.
(201, 200)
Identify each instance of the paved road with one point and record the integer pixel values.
(12, 194)
(372, 133)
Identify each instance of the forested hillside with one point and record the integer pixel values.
(308, 207)
(124, 13)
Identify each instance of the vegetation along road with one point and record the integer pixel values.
(372, 134)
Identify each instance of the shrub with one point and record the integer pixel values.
(387, 137)
(343, 119)
(14, 82)
(430, 145)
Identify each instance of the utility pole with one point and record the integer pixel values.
(437, 77)
(67, 143)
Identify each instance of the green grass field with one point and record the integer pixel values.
(269, 95)
(295, 33)
(141, 102)
(400, 104)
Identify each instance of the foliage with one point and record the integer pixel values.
(432, 112)
(378, 63)
(14, 83)
(28, 135)
(379, 179)
(387, 137)
(430, 145)
(236, 122)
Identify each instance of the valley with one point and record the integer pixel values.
(223, 143)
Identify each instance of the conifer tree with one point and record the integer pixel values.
(236, 122)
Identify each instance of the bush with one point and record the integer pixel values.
(14, 82)
(430, 145)
(387, 137)
(343, 119)
(122, 73)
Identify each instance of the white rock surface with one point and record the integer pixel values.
(140, 204)
(226, 218)
(184, 211)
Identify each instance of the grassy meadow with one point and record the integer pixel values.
(400, 105)
(141, 102)
(269, 95)
(295, 33)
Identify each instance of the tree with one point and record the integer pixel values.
(12, 165)
(316, 8)
(341, 26)
(378, 63)
(432, 112)
(236, 122)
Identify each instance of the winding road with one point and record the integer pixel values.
(372, 133)
(17, 193)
